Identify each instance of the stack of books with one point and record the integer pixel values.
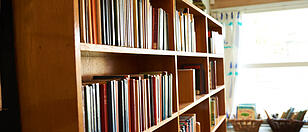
(215, 43)
(184, 34)
(214, 110)
(212, 75)
(188, 123)
(127, 23)
(127, 102)
(290, 114)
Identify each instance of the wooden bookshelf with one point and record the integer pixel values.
(52, 63)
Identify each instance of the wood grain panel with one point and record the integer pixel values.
(235, 3)
(220, 71)
(46, 65)
(221, 102)
(109, 64)
(200, 23)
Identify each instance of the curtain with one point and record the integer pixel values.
(232, 24)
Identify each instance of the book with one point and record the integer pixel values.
(103, 101)
(82, 21)
(94, 21)
(187, 85)
(213, 75)
(199, 76)
(213, 110)
(246, 111)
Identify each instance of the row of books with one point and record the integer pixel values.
(212, 75)
(128, 23)
(198, 71)
(188, 123)
(215, 43)
(214, 110)
(185, 34)
(127, 102)
(290, 114)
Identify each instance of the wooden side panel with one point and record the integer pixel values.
(221, 102)
(200, 27)
(46, 65)
(235, 3)
(220, 71)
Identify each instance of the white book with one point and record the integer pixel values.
(189, 32)
(175, 31)
(181, 16)
(160, 29)
(165, 31)
(194, 44)
(150, 27)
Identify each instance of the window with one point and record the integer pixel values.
(273, 58)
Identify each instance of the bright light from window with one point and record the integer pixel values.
(280, 36)
(269, 43)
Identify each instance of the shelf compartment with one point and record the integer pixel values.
(220, 93)
(199, 98)
(219, 121)
(162, 123)
(219, 70)
(202, 113)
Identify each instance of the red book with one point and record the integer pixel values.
(155, 28)
(130, 103)
(103, 101)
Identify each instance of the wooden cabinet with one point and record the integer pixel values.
(51, 64)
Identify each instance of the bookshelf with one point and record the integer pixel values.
(52, 63)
